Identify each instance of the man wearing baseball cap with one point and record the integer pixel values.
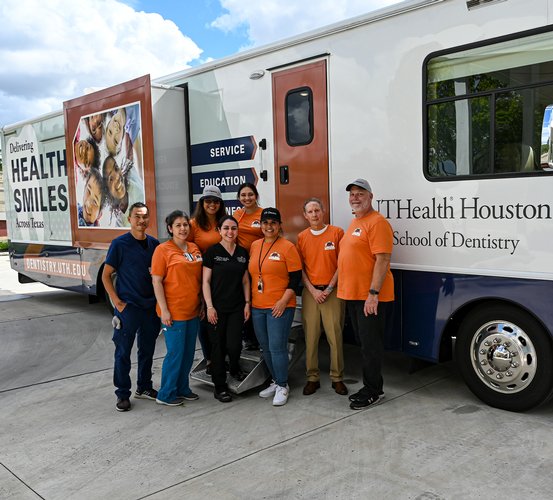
(367, 285)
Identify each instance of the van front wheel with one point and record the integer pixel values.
(505, 357)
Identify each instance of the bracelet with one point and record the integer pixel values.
(210, 307)
(330, 288)
(248, 301)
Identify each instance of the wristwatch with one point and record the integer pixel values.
(372, 291)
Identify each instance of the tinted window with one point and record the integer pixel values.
(488, 109)
(299, 116)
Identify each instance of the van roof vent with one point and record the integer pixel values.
(473, 4)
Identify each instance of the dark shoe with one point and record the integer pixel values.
(189, 397)
(146, 394)
(251, 346)
(240, 376)
(340, 388)
(175, 402)
(123, 405)
(311, 387)
(359, 396)
(224, 396)
(208, 368)
(363, 403)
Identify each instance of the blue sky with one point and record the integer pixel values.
(55, 50)
(194, 18)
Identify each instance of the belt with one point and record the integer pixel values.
(320, 287)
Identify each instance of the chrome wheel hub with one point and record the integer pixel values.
(503, 356)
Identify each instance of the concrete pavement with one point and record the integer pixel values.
(62, 438)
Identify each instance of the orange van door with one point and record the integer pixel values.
(301, 141)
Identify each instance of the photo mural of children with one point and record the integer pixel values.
(123, 138)
(94, 197)
(109, 143)
(95, 126)
(87, 156)
(123, 188)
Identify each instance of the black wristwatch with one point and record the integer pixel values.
(372, 291)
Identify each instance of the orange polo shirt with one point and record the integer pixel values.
(182, 277)
(204, 239)
(249, 227)
(363, 239)
(277, 262)
(319, 253)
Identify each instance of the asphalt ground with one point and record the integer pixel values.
(61, 438)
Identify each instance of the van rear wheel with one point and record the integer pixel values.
(505, 357)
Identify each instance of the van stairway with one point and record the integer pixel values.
(253, 364)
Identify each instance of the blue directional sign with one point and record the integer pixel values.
(224, 151)
(227, 181)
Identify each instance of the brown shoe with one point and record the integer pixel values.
(311, 388)
(340, 388)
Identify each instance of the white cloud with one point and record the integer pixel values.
(270, 20)
(50, 51)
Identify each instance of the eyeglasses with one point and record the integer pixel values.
(212, 201)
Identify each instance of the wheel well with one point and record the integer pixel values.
(452, 327)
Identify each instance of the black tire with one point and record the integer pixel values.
(505, 357)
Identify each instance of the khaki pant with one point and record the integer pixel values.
(331, 312)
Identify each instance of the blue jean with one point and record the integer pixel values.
(272, 334)
(180, 339)
(143, 324)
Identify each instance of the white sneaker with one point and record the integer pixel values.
(281, 395)
(270, 391)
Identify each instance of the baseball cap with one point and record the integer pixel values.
(212, 192)
(270, 213)
(362, 183)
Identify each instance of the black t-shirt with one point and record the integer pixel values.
(227, 292)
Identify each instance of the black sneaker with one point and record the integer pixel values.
(223, 396)
(146, 394)
(189, 397)
(123, 405)
(363, 403)
(359, 396)
(240, 376)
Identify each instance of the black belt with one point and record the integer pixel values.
(320, 287)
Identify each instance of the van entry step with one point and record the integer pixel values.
(253, 364)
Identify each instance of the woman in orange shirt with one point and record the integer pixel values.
(203, 232)
(203, 226)
(176, 276)
(248, 217)
(249, 230)
(275, 269)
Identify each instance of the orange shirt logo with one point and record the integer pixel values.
(329, 245)
(274, 256)
(357, 231)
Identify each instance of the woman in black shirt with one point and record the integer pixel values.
(226, 288)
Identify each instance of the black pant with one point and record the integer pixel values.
(225, 338)
(369, 331)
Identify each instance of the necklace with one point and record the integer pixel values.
(260, 264)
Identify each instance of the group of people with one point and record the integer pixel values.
(218, 273)
(108, 167)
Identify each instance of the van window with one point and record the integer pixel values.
(488, 110)
(299, 116)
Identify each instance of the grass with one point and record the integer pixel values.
(3, 246)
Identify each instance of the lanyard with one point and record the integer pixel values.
(260, 261)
